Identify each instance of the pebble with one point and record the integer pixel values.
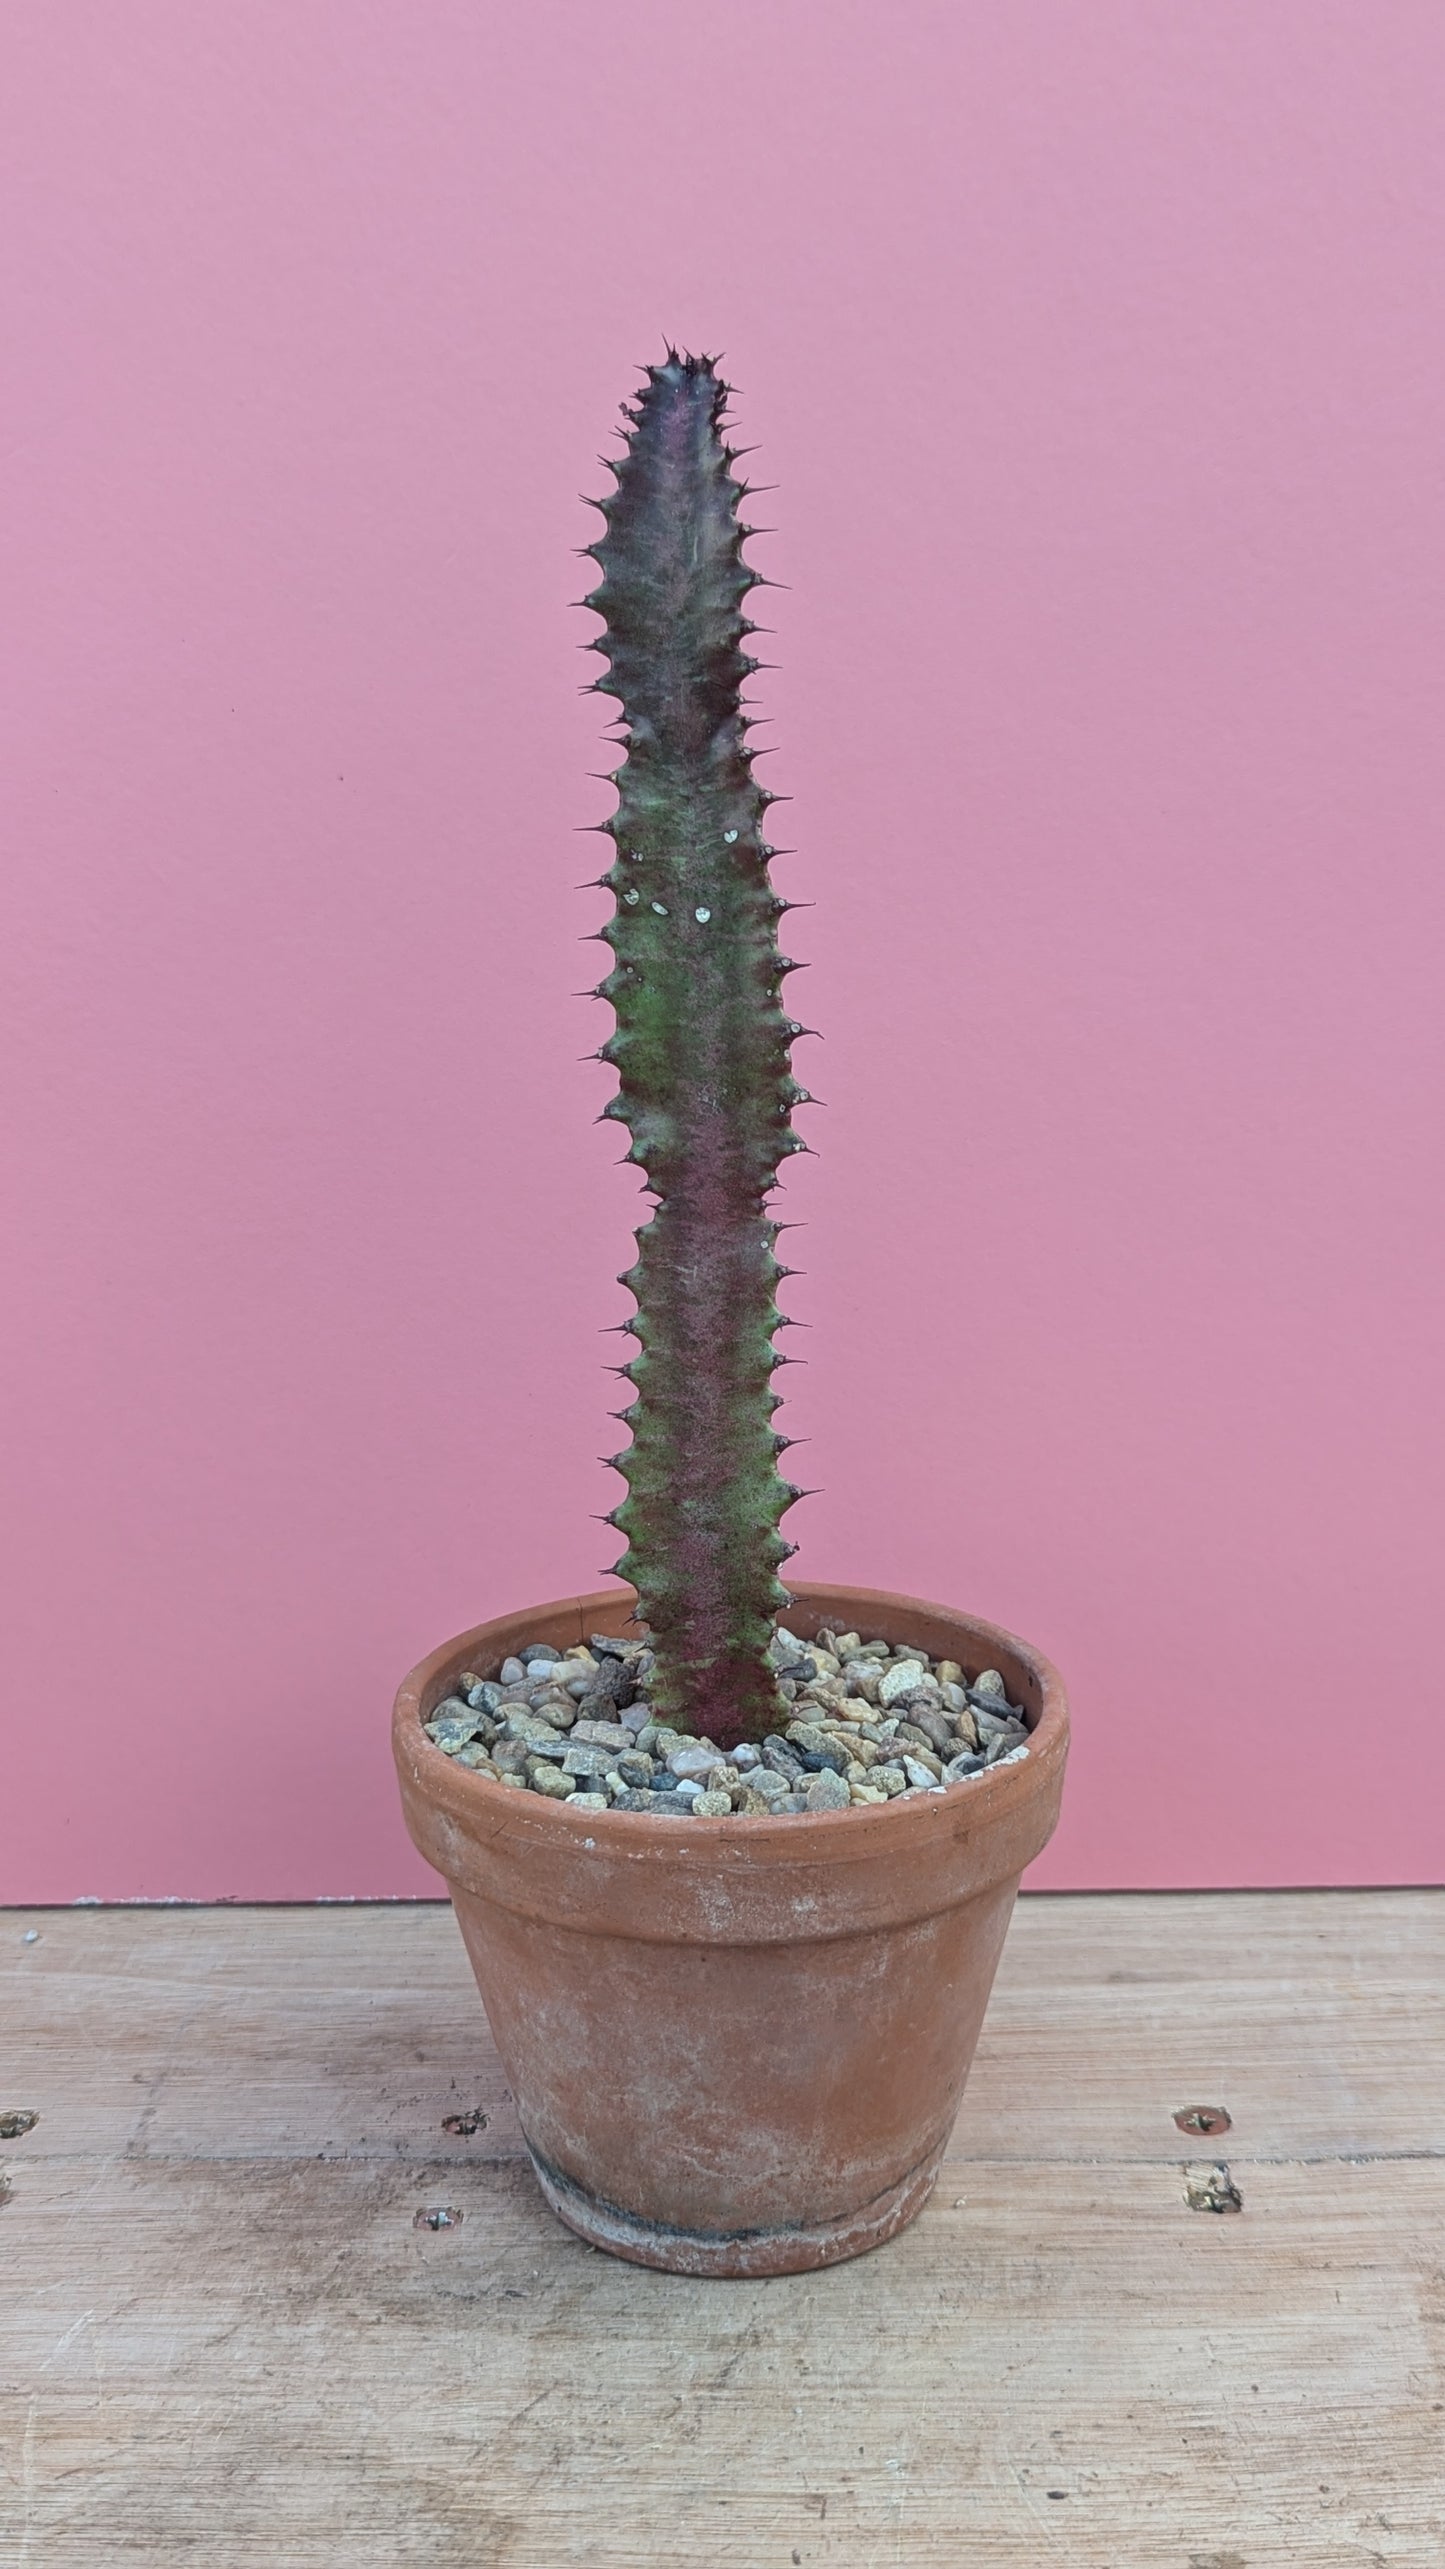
(450, 1732)
(828, 1792)
(772, 1788)
(868, 1722)
(695, 1760)
(601, 1735)
(903, 1678)
(816, 1747)
(553, 1705)
(938, 1731)
(535, 1734)
(583, 1759)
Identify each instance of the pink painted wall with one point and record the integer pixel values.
(1098, 354)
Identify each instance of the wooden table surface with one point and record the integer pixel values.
(224, 2341)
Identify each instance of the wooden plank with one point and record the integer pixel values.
(1317, 2018)
(223, 2342)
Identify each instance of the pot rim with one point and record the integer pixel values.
(864, 1830)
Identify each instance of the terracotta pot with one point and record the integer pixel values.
(737, 2046)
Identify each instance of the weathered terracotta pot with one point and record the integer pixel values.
(737, 2046)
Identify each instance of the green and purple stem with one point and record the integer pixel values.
(702, 1048)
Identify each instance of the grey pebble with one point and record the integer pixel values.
(711, 1806)
(583, 1758)
(601, 1735)
(828, 1792)
(816, 1747)
(698, 1761)
(511, 1673)
(536, 1735)
(772, 1786)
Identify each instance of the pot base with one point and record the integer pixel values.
(792, 2251)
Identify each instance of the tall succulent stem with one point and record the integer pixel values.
(702, 1049)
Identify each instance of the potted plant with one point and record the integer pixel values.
(734, 1890)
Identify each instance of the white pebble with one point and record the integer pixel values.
(903, 1678)
(702, 917)
(661, 908)
(728, 837)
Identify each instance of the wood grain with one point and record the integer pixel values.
(222, 2340)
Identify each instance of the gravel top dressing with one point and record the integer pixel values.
(859, 1722)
